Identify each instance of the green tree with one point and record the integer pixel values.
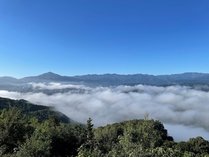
(39, 144)
(90, 133)
(12, 130)
(90, 147)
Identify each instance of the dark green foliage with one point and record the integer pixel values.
(66, 140)
(89, 147)
(23, 105)
(34, 131)
(13, 129)
(28, 130)
(40, 112)
(54, 139)
(89, 128)
(196, 145)
(146, 133)
(141, 138)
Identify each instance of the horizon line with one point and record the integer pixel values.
(64, 75)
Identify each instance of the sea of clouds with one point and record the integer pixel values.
(183, 110)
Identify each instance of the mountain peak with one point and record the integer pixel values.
(49, 75)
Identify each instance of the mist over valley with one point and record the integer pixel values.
(181, 104)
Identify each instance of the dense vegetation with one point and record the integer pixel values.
(23, 134)
(140, 138)
(32, 110)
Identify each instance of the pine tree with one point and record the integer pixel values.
(89, 131)
(87, 149)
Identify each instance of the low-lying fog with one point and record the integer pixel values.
(184, 111)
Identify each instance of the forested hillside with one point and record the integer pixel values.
(139, 138)
(24, 134)
(38, 111)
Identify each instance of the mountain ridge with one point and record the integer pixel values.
(47, 74)
(38, 111)
(187, 78)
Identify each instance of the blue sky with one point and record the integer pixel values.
(73, 37)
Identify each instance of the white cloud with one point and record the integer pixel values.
(180, 107)
(183, 133)
(54, 85)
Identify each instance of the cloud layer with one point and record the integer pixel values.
(181, 108)
(54, 85)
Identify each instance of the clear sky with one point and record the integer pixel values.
(73, 37)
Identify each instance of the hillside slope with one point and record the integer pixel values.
(38, 111)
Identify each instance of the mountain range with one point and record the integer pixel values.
(114, 79)
(189, 79)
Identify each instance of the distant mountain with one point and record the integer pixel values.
(46, 77)
(6, 79)
(186, 78)
(10, 83)
(51, 77)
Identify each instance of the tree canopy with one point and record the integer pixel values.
(25, 135)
